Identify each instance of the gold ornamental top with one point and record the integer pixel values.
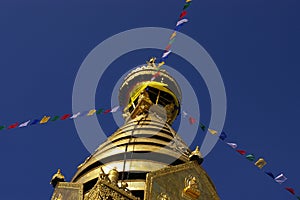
(139, 92)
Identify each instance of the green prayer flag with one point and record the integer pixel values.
(187, 5)
(250, 157)
(202, 126)
(54, 118)
(298, 197)
(171, 41)
(2, 127)
(99, 111)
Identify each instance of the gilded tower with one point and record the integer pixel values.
(145, 158)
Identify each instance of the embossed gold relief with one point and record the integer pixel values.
(163, 196)
(186, 181)
(68, 191)
(107, 188)
(191, 189)
(59, 197)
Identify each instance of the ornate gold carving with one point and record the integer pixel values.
(68, 191)
(163, 196)
(143, 105)
(107, 188)
(113, 176)
(104, 189)
(191, 189)
(174, 180)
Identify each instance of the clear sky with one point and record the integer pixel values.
(255, 45)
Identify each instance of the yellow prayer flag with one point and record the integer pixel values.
(260, 163)
(173, 35)
(188, 1)
(213, 132)
(160, 64)
(91, 112)
(44, 120)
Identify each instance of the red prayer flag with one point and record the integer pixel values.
(66, 116)
(13, 125)
(156, 74)
(107, 111)
(242, 152)
(168, 47)
(192, 120)
(291, 190)
(182, 14)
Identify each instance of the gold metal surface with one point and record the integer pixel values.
(185, 181)
(106, 189)
(68, 191)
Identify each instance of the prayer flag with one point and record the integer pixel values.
(232, 145)
(2, 127)
(188, 1)
(202, 126)
(45, 119)
(66, 116)
(298, 197)
(171, 41)
(75, 115)
(35, 122)
(173, 35)
(107, 111)
(178, 27)
(223, 136)
(99, 111)
(24, 124)
(168, 47)
(213, 132)
(280, 179)
(54, 118)
(291, 190)
(155, 76)
(13, 125)
(91, 112)
(242, 152)
(270, 174)
(166, 54)
(250, 157)
(187, 5)
(184, 114)
(183, 14)
(84, 113)
(260, 163)
(160, 64)
(115, 109)
(192, 120)
(180, 22)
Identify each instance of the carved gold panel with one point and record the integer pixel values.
(68, 191)
(186, 181)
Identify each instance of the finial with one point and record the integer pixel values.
(113, 176)
(102, 174)
(196, 155)
(151, 62)
(58, 177)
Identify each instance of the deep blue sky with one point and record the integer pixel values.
(255, 45)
